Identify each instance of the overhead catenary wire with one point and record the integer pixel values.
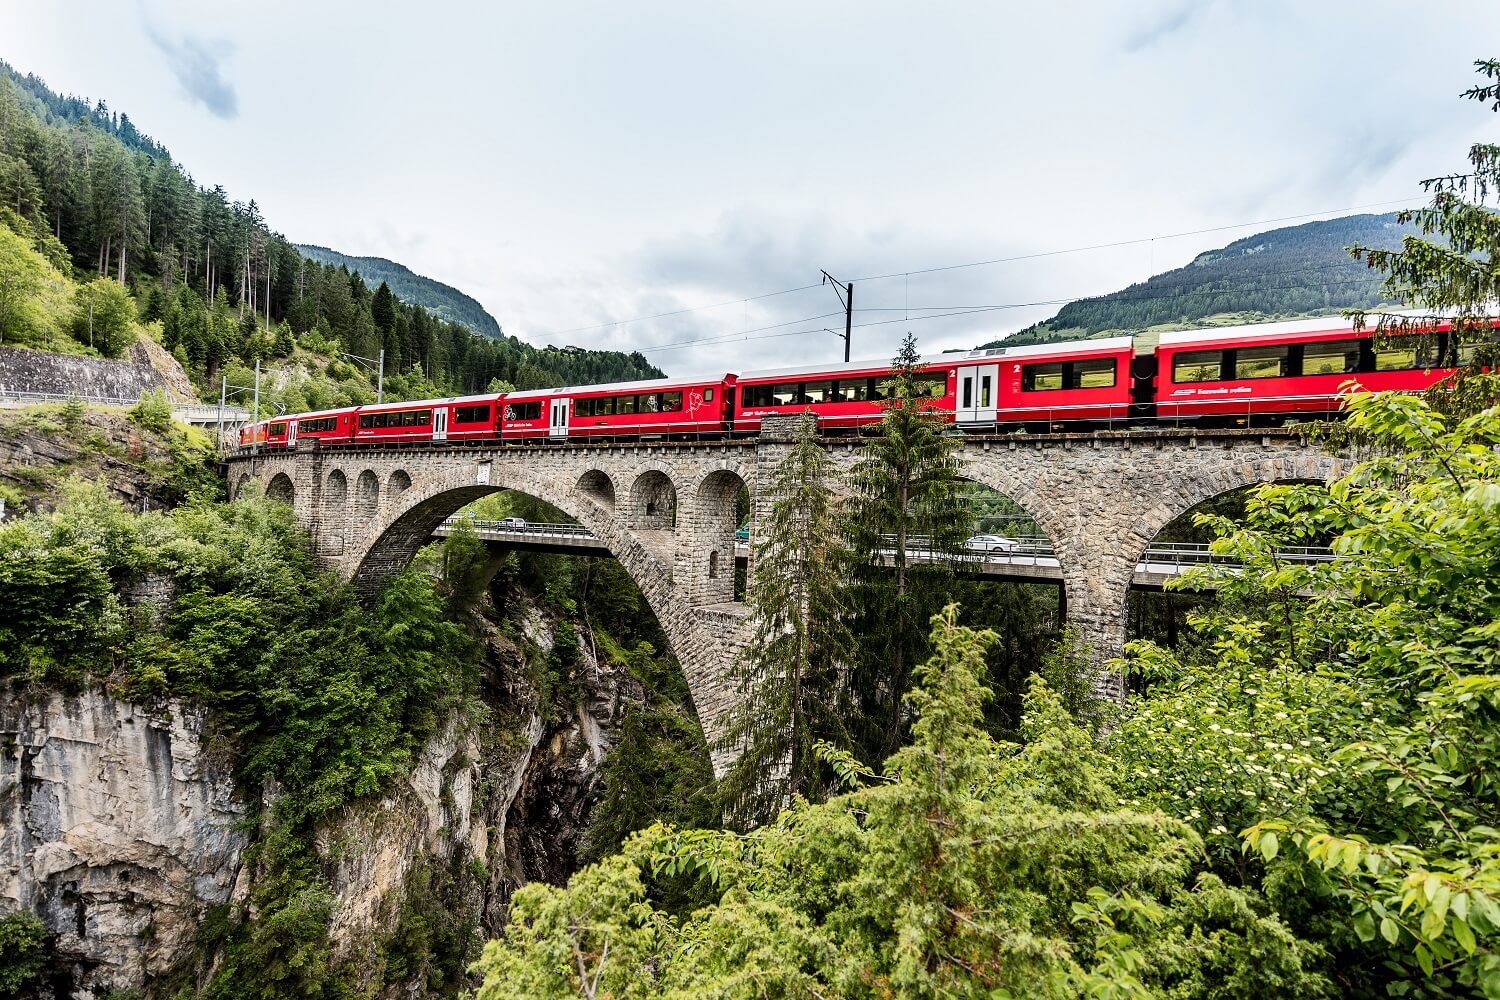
(950, 311)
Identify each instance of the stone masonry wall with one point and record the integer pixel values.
(63, 374)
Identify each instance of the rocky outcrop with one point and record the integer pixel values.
(121, 827)
(40, 447)
(117, 827)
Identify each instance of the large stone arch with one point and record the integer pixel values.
(407, 521)
(1102, 509)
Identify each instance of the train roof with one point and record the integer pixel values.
(486, 397)
(651, 383)
(1318, 324)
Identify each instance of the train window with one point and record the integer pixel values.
(708, 395)
(784, 394)
(603, 407)
(932, 388)
(471, 414)
(525, 411)
(650, 402)
(817, 392)
(880, 388)
(1197, 366)
(277, 428)
(1094, 373)
(756, 395)
(1466, 354)
(1038, 378)
(1396, 359)
(583, 407)
(1331, 357)
(624, 404)
(1261, 362)
(984, 390)
(851, 390)
(316, 425)
(671, 402)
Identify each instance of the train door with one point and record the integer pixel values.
(976, 400)
(559, 426)
(291, 433)
(440, 423)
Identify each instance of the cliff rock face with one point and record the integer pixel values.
(494, 802)
(117, 827)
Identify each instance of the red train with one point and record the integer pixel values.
(1230, 375)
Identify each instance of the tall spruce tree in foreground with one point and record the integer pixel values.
(789, 675)
(908, 498)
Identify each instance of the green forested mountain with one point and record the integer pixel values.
(91, 196)
(1301, 270)
(443, 301)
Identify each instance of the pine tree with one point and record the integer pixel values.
(908, 497)
(790, 674)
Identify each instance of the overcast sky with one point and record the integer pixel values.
(578, 164)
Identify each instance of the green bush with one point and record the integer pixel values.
(23, 949)
(153, 412)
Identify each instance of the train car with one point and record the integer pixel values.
(1086, 381)
(844, 397)
(653, 408)
(1273, 371)
(466, 418)
(323, 426)
(401, 422)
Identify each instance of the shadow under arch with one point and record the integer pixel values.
(715, 515)
(280, 489)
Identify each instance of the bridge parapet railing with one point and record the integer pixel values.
(1184, 554)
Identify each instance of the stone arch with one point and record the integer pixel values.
(367, 494)
(598, 487)
(336, 493)
(653, 502)
(239, 486)
(398, 483)
(389, 542)
(709, 542)
(281, 490)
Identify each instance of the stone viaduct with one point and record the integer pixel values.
(666, 510)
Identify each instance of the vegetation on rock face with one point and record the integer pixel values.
(23, 950)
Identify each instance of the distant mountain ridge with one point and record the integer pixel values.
(1284, 273)
(442, 300)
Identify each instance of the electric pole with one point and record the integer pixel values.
(845, 292)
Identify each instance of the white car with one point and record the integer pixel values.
(991, 543)
(513, 522)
